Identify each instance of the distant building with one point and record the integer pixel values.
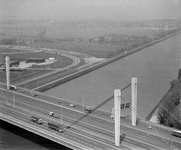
(51, 58)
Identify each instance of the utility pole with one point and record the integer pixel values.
(7, 72)
(61, 115)
(83, 102)
(14, 99)
(117, 117)
(134, 100)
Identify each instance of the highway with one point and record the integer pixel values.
(94, 127)
(16, 118)
(69, 136)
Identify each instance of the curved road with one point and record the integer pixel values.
(75, 60)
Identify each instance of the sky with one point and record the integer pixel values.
(89, 9)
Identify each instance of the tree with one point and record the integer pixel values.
(179, 74)
(171, 107)
(174, 120)
(101, 39)
(12, 41)
(42, 34)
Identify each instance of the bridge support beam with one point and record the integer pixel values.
(134, 100)
(117, 108)
(7, 72)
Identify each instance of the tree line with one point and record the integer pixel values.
(169, 113)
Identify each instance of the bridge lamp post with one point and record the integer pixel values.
(83, 103)
(61, 114)
(14, 98)
(38, 88)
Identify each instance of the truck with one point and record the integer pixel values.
(55, 126)
(12, 87)
(36, 120)
(177, 134)
(53, 114)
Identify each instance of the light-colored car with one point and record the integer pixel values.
(61, 130)
(112, 117)
(88, 109)
(149, 127)
(72, 105)
(34, 94)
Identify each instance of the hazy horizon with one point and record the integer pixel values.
(89, 9)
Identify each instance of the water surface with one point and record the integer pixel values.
(154, 68)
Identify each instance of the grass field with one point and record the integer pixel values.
(31, 32)
(68, 30)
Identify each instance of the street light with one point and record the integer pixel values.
(61, 121)
(14, 100)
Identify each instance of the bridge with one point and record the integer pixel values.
(82, 129)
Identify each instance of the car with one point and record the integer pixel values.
(61, 130)
(112, 117)
(34, 94)
(8, 104)
(149, 127)
(67, 127)
(72, 105)
(88, 109)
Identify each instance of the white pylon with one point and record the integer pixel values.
(7, 73)
(117, 115)
(134, 100)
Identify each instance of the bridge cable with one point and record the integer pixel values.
(95, 108)
(155, 130)
(153, 127)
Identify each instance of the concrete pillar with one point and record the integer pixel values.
(117, 108)
(7, 73)
(134, 100)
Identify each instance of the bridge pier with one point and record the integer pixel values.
(117, 117)
(7, 72)
(134, 100)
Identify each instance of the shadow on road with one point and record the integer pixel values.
(122, 137)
